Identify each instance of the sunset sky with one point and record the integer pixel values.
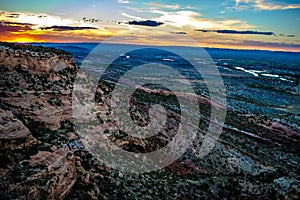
(240, 24)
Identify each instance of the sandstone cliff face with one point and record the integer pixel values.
(37, 86)
(13, 134)
(35, 62)
(35, 122)
(54, 181)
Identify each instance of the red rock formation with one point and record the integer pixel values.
(35, 62)
(13, 134)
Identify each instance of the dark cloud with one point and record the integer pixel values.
(14, 26)
(13, 15)
(91, 20)
(67, 28)
(17, 23)
(41, 16)
(179, 33)
(5, 28)
(237, 32)
(146, 23)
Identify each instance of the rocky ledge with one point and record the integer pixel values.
(13, 134)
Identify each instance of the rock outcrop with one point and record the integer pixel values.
(41, 93)
(35, 122)
(56, 176)
(34, 61)
(13, 134)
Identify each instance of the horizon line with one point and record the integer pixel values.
(205, 47)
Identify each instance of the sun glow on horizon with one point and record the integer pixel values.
(24, 40)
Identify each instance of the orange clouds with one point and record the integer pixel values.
(27, 27)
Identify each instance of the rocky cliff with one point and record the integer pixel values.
(36, 60)
(35, 122)
(14, 135)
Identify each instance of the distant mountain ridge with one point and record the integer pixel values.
(86, 48)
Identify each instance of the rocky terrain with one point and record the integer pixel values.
(42, 156)
(36, 122)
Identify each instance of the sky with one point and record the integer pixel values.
(236, 24)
